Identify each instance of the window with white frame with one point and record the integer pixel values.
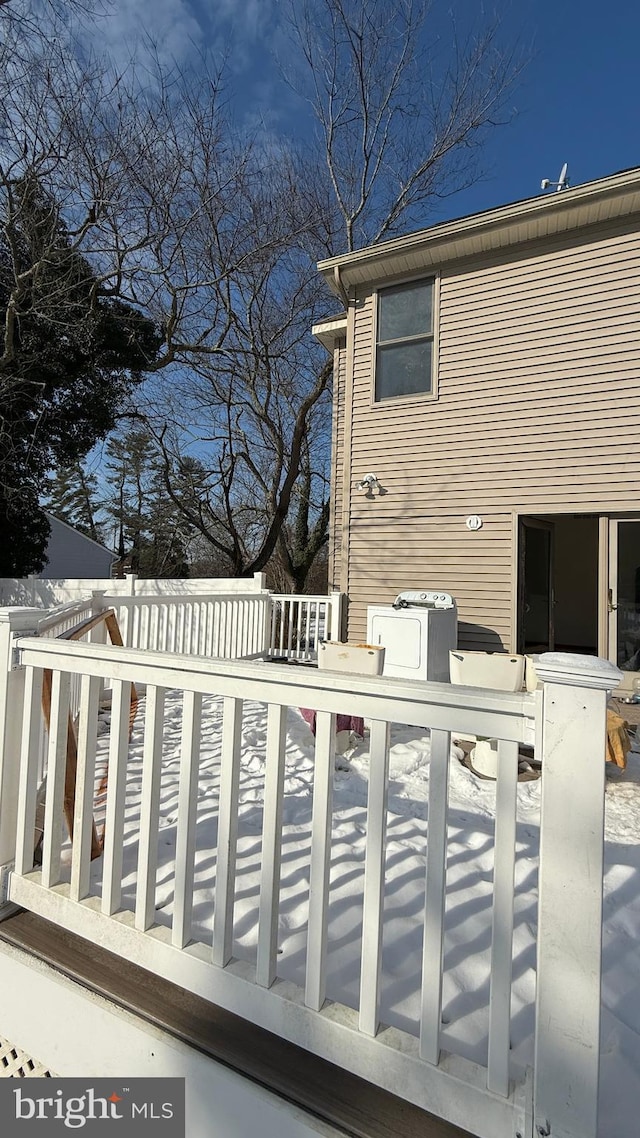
(404, 347)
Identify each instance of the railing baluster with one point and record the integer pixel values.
(255, 643)
(233, 631)
(126, 625)
(227, 830)
(321, 631)
(201, 628)
(83, 826)
(289, 627)
(222, 629)
(28, 783)
(324, 766)
(316, 627)
(185, 611)
(208, 648)
(56, 768)
(282, 627)
(185, 622)
(435, 897)
(149, 806)
(273, 607)
(271, 845)
(247, 628)
(187, 806)
(299, 650)
(215, 621)
(372, 913)
(504, 861)
(172, 613)
(116, 796)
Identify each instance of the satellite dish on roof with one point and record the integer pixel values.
(561, 184)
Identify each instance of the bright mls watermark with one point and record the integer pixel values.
(129, 1108)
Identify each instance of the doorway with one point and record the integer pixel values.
(558, 588)
(624, 594)
(536, 564)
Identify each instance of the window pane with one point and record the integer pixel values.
(405, 311)
(404, 369)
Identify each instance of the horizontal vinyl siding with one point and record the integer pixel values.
(435, 553)
(538, 410)
(337, 462)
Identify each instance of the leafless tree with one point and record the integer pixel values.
(401, 113)
(214, 233)
(403, 102)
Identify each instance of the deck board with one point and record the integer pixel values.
(344, 1100)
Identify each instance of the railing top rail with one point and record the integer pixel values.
(171, 598)
(496, 714)
(63, 612)
(304, 597)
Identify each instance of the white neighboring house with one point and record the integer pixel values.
(73, 554)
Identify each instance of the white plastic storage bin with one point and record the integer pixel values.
(497, 670)
(365, 659)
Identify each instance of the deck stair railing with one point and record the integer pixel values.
(565, 720)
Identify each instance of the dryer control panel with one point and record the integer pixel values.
(427, 598)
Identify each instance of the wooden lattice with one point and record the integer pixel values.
(16, 1064)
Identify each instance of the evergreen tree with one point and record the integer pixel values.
(72, 496)
(147, 525)
(68, 359)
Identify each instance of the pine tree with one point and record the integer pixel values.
(148, 527)
(72, 496)
(68, 359)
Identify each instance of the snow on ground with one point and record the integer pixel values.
(469, 884)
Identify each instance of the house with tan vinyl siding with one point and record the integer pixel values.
(489, 368)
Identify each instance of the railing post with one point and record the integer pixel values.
(260, 580)
(98, 635)
(335, 624)
(567, 1045)
(131, 579)
(13, 622)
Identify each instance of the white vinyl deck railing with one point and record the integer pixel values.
(566, 720)
(299, 623)
(229, 626)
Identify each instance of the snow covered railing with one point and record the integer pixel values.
(566, 720)
(299, 623)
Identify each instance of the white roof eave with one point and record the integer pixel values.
(516, 224)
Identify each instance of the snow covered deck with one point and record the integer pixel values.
(386, 916)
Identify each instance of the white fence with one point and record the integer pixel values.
(566, 719)
(226, 626)
(44, 592)
(229, 626)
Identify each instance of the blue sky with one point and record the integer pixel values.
(577, 101)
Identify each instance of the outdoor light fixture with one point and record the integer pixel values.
(368, 483)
